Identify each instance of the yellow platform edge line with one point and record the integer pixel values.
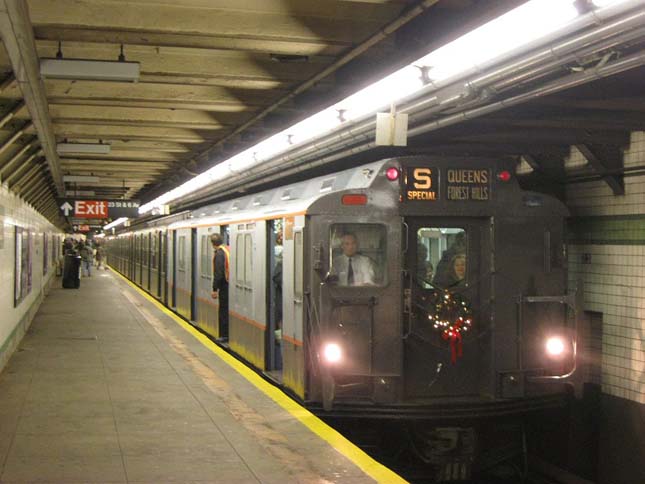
(371, 467)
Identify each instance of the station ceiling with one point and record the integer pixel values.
(218, 76)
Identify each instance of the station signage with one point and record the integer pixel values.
(422, 183)
(99, 209)
(466, 184)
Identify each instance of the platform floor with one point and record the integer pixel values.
(108, 388)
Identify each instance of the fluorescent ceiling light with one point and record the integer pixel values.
(529, 22)
(94, 70)
(116, 223)
(79, 193)
(82, 148)
(81, 179)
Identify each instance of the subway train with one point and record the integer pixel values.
(408, 288)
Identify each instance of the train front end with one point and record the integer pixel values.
(438, 292)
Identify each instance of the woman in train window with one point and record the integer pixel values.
(451, 269)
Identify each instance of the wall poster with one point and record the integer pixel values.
(1, 227)
(22, 281)
(45, 253)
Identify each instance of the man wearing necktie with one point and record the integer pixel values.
(352, 268)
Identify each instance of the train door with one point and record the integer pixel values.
(163, 268)
(194, 267)
(444, 328)
(183, 276)
(225, 232)
(145, 253)
(274, 297)
(172, 252)
(154, 263)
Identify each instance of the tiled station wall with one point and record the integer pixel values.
(15, 318)
(607, 252)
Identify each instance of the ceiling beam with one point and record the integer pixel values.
(18, 37)
(607, 161)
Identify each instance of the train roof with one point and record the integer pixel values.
(290, 199)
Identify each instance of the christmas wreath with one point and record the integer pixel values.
(451, 314)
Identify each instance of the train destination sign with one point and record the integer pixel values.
(422, 183)
(465, 184)
(99, 209)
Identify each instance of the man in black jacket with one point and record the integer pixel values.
(221, 261)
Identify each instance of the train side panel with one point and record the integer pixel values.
(183, 272)
(207, 307)
(294, 301)
(247, 291)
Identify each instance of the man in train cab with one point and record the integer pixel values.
(352, 268)
(221, 264)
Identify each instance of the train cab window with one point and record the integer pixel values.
(441, 257)
(357, 254)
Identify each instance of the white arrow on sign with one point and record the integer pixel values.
(66, 207)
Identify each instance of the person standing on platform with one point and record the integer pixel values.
(87, 257)
(221, 264)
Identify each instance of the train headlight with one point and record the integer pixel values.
(555, 346)
(332, 353)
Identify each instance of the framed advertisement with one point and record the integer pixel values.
(22, 272)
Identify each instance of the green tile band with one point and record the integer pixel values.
(607, 230)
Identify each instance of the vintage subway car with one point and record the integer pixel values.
(456, 303)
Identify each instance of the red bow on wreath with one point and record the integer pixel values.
(453, 334)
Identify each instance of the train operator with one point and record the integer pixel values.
(352, 268)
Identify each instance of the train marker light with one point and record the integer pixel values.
(504, 176)
(392, 174)
(354, 199)
(332, 353)
(555, 346)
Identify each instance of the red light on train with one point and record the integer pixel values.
(354, 199)
(392, 173)
(504, 176)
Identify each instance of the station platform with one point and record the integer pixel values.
(110, 387)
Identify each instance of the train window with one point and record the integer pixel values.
(239, 258)
(205, 257)
(248, 259)
(153, 250)
(297, 264)
(357, 254)
(181, 253)
(441, 257)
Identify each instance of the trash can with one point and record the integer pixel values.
(72, 272)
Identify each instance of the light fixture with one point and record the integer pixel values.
(90, 70)
(79, 193)
(527, 24)
(116, 223)
(82, 148)
(87, 69)
(81, 179)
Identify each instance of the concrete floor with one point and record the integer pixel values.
(107, 388)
